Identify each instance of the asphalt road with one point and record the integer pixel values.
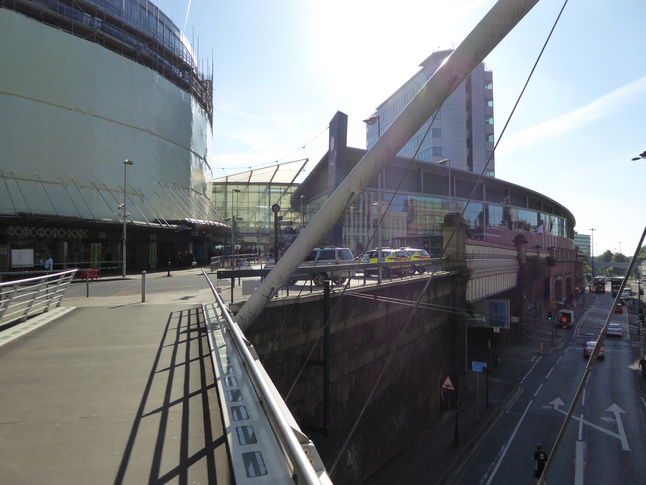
(603, 441)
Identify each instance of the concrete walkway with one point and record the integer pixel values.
(114, 391)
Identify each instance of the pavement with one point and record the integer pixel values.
(117, 391)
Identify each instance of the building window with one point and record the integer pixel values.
(490, 138)
(490, 120)
(489, 85)
(437, 132)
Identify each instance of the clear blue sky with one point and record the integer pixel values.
(282, 68)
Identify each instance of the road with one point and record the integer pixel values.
(603, 442)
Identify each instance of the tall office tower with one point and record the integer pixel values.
(462, 131)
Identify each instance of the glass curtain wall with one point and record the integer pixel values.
(416, 220)
(407, 220)
(248, 211)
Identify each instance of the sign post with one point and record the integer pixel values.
(447, 384)
(477, 367)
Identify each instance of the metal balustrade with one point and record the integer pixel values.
(264, 440)
(22, 299)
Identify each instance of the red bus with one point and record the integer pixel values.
(599, 284)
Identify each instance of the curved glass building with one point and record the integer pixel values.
(87, 85)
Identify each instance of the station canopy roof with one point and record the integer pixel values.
(280, 173)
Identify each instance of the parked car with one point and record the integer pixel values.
(614, 330)
(387, 256)
(420, 258)
(588, 348)
(619, 308)
(322, 263)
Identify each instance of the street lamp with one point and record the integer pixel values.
(371, 121)
(592, 229)
(125, 215)
(276, 209)
(446, 161)
(233, 226)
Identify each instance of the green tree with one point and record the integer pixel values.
(619, 258)
(605, 257)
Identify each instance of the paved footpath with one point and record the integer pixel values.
(113, 390)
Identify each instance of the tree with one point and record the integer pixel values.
(619, 258)
(605, 257)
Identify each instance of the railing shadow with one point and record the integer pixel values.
(179, 403)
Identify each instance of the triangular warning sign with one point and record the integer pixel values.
(448, 384)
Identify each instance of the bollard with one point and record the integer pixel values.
(87, 286)
(143, 286)
(168, 268)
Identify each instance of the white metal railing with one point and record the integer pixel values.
(300, 460)
(24, 298)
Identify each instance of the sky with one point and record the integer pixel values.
(283, 68)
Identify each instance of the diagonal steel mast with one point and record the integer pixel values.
(496, 24)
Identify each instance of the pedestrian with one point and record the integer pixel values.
(49, 264)
(495, 361)
(540, 459)
(180, 263)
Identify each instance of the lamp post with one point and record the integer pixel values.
(371, 121)
(592, 229)
(125, 215)
(276, 209)
(446, 161)
(233, 227)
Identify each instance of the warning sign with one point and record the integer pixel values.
(447, 384)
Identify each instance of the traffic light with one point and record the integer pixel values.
(550, 315)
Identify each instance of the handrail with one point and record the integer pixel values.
(303, 469)
(21, 299)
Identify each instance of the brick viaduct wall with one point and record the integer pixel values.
(370, 340)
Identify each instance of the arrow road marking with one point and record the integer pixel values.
(616, 410)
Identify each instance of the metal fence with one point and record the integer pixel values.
(22, 299)
(264, 439)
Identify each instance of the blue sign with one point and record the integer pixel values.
(477, 366)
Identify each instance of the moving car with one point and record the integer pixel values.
(614, 330)
(387, 256)
(619, 308)
(588, 348)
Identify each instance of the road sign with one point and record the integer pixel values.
(448, 384)
(477, 366)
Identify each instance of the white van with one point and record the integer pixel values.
(566, 319)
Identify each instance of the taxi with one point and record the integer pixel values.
(421, 259)
(387, 256)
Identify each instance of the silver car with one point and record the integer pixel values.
(614, 330)
(588, 348)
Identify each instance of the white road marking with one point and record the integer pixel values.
(522, 418)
